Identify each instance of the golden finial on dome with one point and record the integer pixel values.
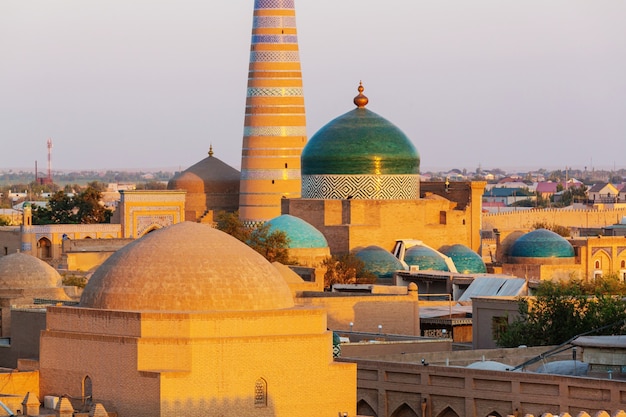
(361, 101)
(211, 150)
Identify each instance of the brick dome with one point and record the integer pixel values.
(187, 267)
(22, 271)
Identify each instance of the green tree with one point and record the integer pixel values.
(229, 222)
(83, 208)
(561, 311)
(346, 269)
(274, 246)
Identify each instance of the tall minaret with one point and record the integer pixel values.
(275, 124)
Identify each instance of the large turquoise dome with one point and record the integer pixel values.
(380, 262)
(300, 233)
(541, 243)
(360, 155)
(360, 142)
(466, 260)
(426, 258)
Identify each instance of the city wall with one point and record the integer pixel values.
(524, 219)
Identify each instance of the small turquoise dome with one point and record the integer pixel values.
(466, 260)
(300, 233)
(379, 261)
(541, 243)
(425, 258)
(360, 142)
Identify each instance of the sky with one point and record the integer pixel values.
(151, 84)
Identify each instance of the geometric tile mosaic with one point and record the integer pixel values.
(287, 22)
(274, 131)
(364, 187)
(275, 92)
(274, 4)
(256, 39)
(274, 56)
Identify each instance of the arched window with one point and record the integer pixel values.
(597, 265)
(260, 393)
(623, 264)
(44, 248)
(87, 390)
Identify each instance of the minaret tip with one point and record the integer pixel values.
(361, 100)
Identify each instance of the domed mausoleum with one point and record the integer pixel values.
(190, 268)
(360, 155)
(541, 246)
(380, 262)
(211, 185)
(192, 318)
(466, 260)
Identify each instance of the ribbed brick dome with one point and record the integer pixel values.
(187, 267)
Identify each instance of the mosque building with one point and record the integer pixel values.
(361, 187)
(211, 186)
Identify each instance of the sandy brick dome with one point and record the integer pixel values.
(22, 271)
(187, 267)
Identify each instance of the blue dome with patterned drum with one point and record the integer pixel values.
(360, 155)
(300, 233)
(379, 261)
(541, 243)
(426, 258)
(466, 260)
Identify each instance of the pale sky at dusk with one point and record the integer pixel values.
(143, 84)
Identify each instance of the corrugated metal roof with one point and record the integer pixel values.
(494, 286)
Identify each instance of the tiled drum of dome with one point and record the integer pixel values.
(275, 124)
(364, 187)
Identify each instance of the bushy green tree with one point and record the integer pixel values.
(83, 208)
(561, 311)
(346, 269)
(274, 246)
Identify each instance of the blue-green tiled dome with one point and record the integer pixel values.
(360, 142)
(300, 233)
(541, 243)
(426, 258)
(466, 260)
(379, 261)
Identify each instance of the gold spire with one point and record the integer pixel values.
(361, 101)
(210, 150)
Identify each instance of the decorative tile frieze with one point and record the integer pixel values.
(365, 187)
(274, 4)
(256, 39)
(270, 174)
(274, 56)
(287, 22)
(274, 131)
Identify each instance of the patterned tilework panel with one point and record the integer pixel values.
(274, 56)
(287, 22)
(274, 4)
(274, 131)
(270, 174)
(365, 187)
(274, 39)
(275, 92)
